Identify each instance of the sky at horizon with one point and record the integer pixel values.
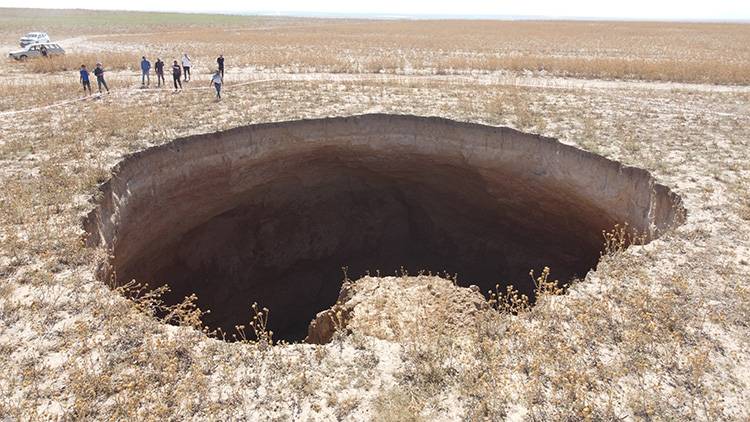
(633, 9)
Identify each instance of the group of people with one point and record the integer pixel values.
(98, 72)
(178, 71)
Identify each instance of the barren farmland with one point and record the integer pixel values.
(657, 330)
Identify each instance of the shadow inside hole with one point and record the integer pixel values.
(283, 245)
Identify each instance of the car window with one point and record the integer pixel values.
(33, 48)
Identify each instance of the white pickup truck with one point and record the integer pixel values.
(34, 38)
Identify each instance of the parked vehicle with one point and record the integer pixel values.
(34, 38)
(36, 50)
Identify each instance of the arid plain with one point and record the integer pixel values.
(657, 332)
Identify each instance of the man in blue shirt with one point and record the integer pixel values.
(85, 79)
(145, 68)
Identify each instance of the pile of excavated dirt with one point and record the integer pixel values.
(271, 213)
(399, 309)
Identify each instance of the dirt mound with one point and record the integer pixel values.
(399, 309)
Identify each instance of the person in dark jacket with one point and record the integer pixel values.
(85, 79)
(220, 62)
(99, 72)
(159, 67)
(176, 74)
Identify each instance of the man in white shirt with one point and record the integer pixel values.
(186, 66)
(216, 82)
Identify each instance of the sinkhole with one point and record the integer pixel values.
(270, 213)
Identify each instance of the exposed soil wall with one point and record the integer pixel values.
(271, 212)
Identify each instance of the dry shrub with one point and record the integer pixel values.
(619, 238)
(151, 302)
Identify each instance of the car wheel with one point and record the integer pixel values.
(23, 58)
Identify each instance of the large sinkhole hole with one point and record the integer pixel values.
(271, 213)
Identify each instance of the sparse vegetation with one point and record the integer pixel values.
(649, 51)
(73, 62)
(657, 332)
(676, 52)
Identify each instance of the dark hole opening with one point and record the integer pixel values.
(283, 244)
(270, 213)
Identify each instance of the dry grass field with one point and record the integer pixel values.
(595, 49)
(657, 332)
(705, 53)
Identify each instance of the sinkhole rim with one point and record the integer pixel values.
(469, 144)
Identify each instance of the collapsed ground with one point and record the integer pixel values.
(273, 213)
(657, 331)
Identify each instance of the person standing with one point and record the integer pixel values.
(176, 73)
(43, 50)
(220, 62)
(85, 79)
(145, 69)
(159, 67)
(216, 82)
(186, 65)
(99, 73)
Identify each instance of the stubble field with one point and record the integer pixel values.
(656, 332)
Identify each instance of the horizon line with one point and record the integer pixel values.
(404, 16)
